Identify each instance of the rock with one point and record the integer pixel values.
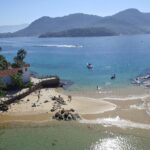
(72, 110)
(52, 110)
(34, 105)
(58, 116)
(3, 107)
(77, 116)
(66, 115)
(54, 98)
(62, 111)
(69, 117)
(46, 101)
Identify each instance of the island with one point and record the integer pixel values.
(80, 32)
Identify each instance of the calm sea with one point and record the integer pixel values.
(125, 56)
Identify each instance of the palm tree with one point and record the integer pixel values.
(19, 59)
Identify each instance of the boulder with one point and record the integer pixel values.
(3, 107)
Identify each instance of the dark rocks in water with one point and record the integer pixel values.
(58, 116)
(65, 83)
(142, 80)
(66, 115)
(3, 107)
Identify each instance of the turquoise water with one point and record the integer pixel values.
(67, 137)
(126, 56)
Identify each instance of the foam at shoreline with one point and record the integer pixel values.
(142, 97)
(117, 121)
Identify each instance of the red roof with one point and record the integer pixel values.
(12, 71)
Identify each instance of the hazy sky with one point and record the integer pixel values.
(25, 11)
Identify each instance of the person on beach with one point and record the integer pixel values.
(69, 98)
(38, 97)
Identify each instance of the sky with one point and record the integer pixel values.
(13, 12)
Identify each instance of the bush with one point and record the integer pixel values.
(29, 84)
(17, 81)
(2, 93)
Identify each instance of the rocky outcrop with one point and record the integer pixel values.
(66, 115)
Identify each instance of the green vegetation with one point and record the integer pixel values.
(17, 81)
(2, 93)
(19, 59)
(3, 63)
(2, 87)
(81, 32)
(29, 84)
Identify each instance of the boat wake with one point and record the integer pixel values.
(117, 121)
(60, 46)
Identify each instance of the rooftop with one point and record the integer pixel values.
(12, 71)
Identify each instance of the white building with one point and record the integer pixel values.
(5, 75)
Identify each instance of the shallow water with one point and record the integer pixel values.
(69, 137)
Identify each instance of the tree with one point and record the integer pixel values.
(3, 63)
(0, 48)
(2, 84)
(17, 81)
(2, 87)
(19, 59)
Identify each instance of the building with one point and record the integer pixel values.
(5, 75)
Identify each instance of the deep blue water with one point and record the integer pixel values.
(126, 56)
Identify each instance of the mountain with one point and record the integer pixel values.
(12, 28)
(130, 21)
(47, 24)
(80, 32)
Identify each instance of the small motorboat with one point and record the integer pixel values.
(113, 77)
(89, 66)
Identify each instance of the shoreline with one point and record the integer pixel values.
(131, 108)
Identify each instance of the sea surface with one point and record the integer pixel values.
(125, 56)
(69, 137)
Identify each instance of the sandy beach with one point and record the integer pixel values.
(42, 99)
(44, 104)
(36, 107)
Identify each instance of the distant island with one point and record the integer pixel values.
(79, 32)
(127, 22)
